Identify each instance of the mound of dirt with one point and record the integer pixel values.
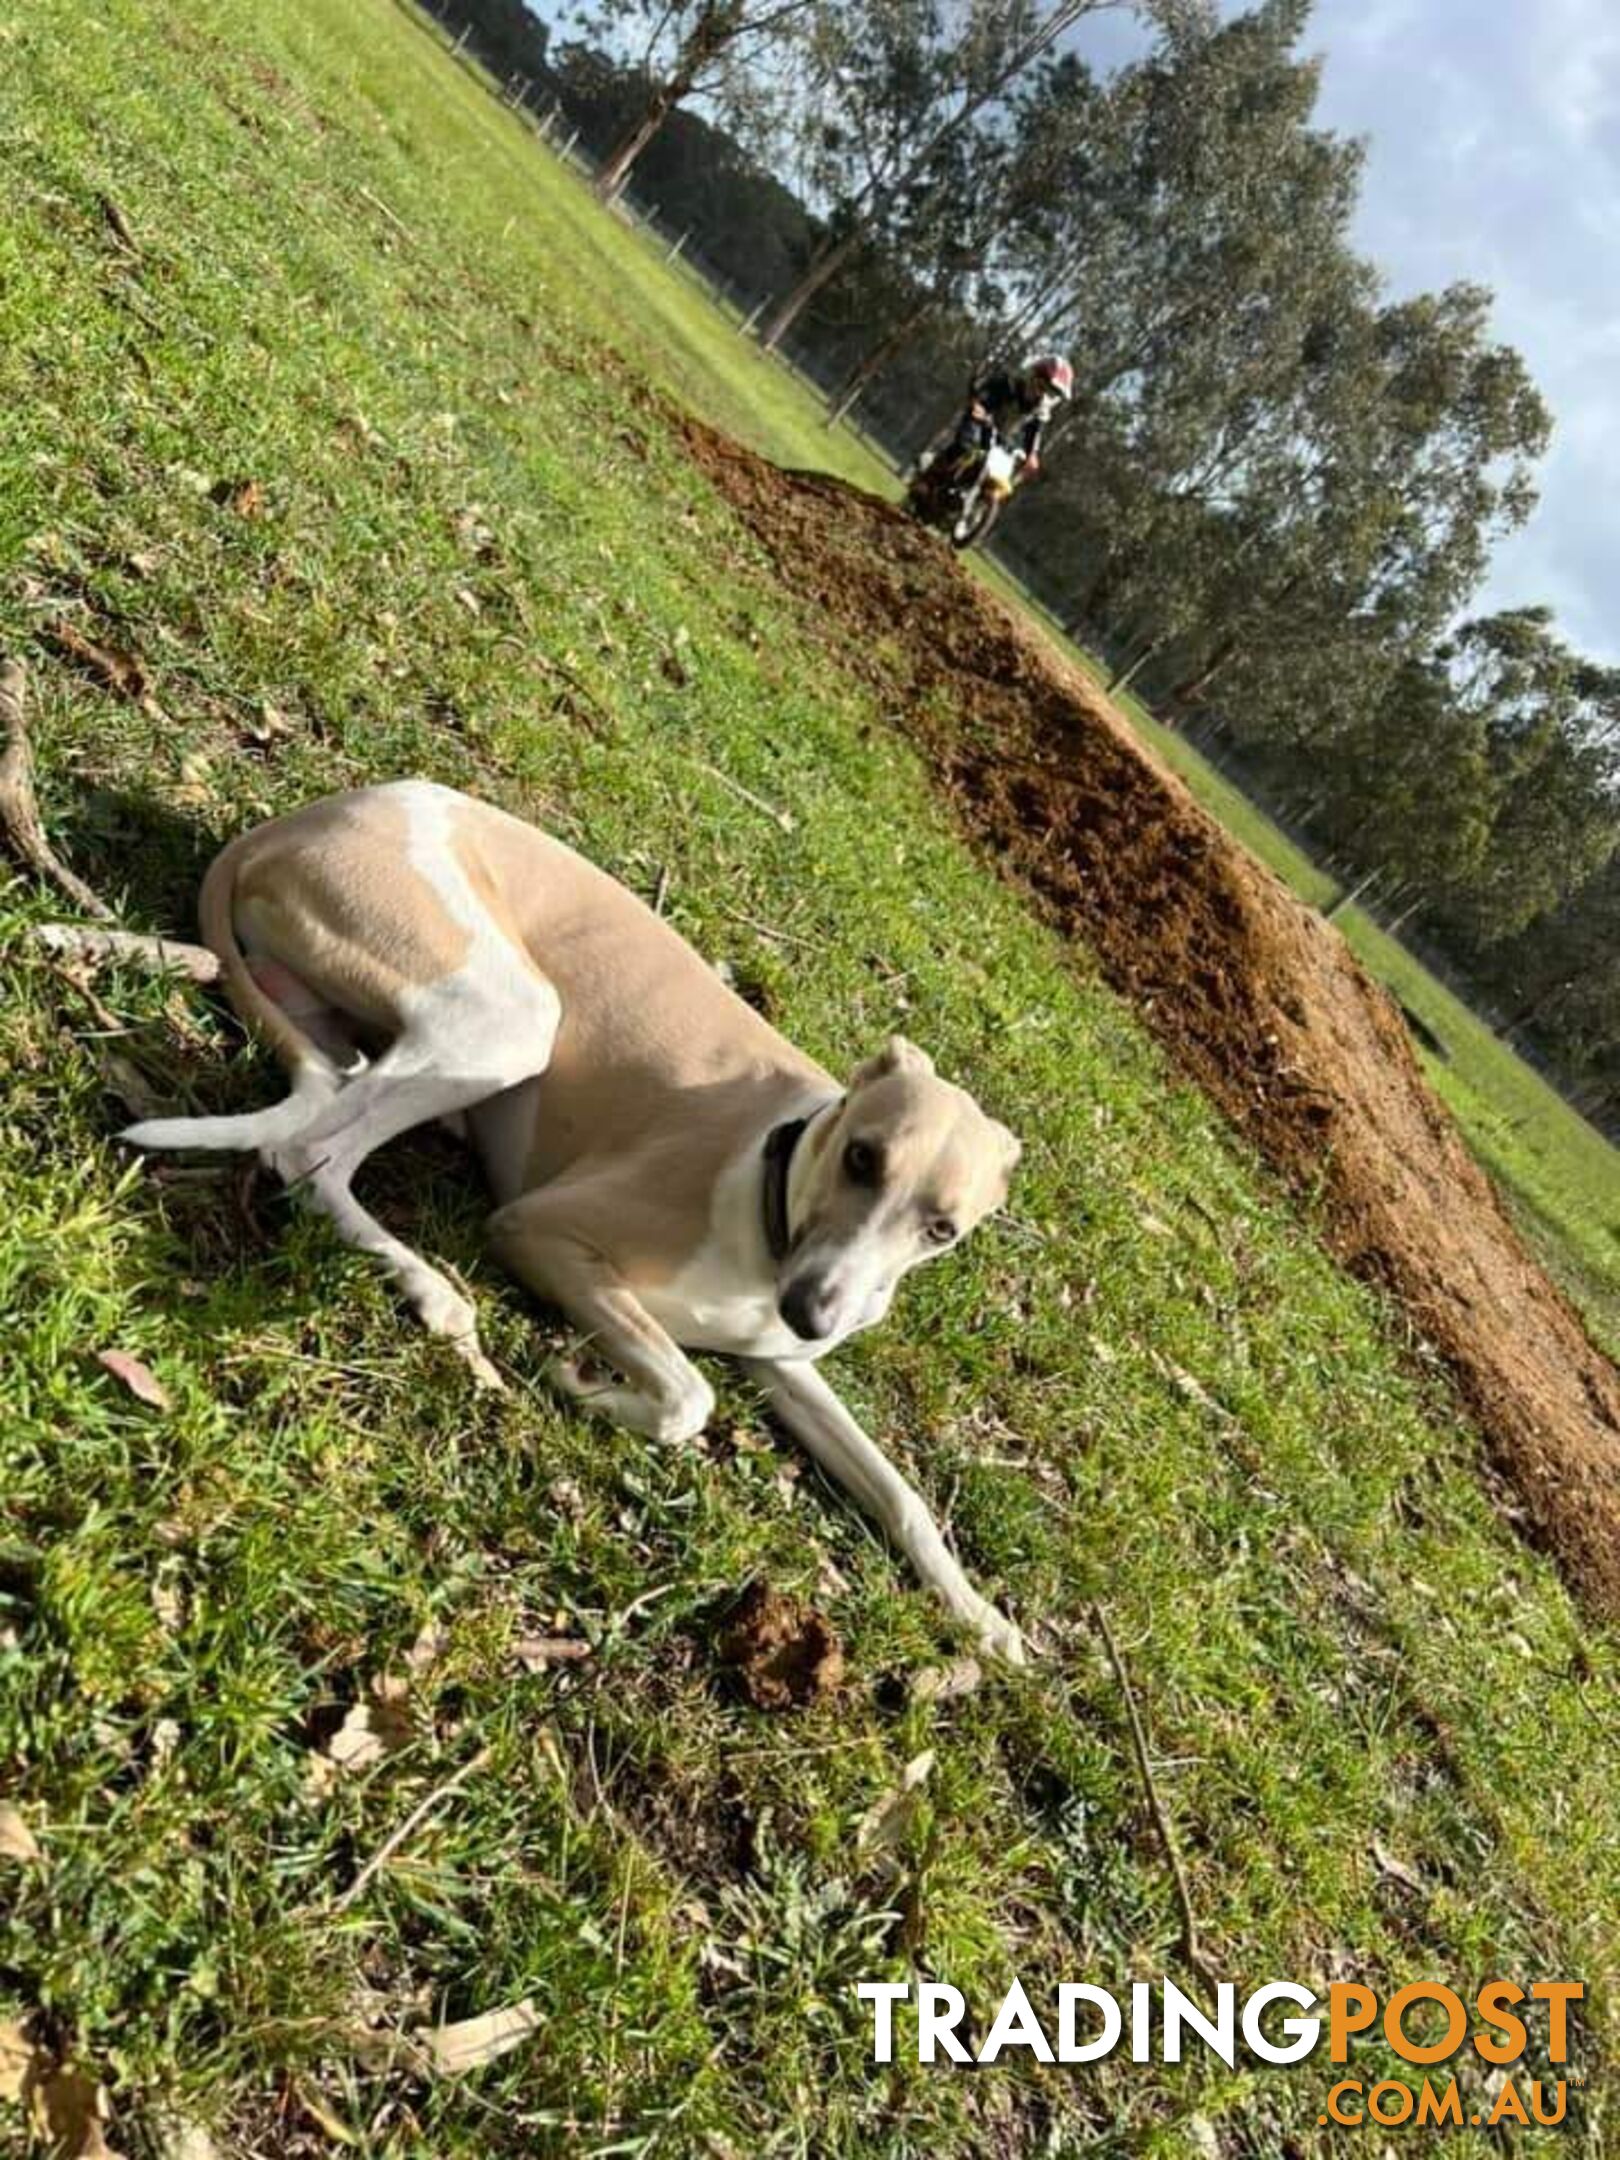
(1254, 995)
(783, 1652)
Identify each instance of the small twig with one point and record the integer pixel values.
(597, 716)
(1192, 1951)
(154, 955)
(19, 807)
(783, 818)
(119, 224)
(767, 931)
(413, 1821)
(661, 889)
(383, 210)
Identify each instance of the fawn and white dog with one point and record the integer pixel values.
(667, 1168)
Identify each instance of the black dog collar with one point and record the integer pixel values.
(779, 1149)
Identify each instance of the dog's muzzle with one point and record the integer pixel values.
(809, 1308)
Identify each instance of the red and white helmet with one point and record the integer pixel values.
(1053, 370)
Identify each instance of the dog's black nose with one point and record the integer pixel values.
(807, 1307)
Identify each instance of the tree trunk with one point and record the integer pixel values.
(867, 369)
(823, 267)
(1189, 691)
(613, 175)
(1123, 677)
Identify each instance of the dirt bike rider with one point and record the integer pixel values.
(1017, 406)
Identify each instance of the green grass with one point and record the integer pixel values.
(472, 560)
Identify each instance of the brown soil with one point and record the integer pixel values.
(783, 1652)
(1253, 994)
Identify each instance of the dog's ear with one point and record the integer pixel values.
(1008, 1150)
(897, 1055)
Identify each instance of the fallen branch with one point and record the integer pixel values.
(119, 672)
(383, 210)
(19, 808)
(1192, 1951)
(156, 955)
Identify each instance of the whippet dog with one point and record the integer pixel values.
(667, 1168)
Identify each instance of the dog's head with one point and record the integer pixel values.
(896, 1173)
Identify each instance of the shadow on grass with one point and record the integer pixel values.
(142, 855)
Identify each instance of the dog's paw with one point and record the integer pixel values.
(999, 1638)
(471, 1352)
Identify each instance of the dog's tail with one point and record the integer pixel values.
(310, 1069)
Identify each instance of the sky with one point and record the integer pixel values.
(1494, 154)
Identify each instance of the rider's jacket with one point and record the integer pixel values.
(1020, 417)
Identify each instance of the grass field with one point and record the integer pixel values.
(339, 456)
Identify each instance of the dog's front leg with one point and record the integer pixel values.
(662, 1393)
(814, 1415)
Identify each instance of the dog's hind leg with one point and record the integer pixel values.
(428, 1073)
(326, 1052)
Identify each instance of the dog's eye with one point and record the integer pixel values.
(941, 1230)
(861, 1163)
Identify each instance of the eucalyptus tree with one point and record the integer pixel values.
(890, 85)
(687, 47)
(943, 237)
(1552, 729)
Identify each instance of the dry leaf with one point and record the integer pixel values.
(535, 1652)
(18, 2057)
(66, 2106)
(322, 2116)
(196, 781)
(129, 1086)
(944, 1683)
(1397, 1870)
(118, 225)
(17, 1841)
(265, 726)
(429, 1646)
(887, 1823)
(472, 2042)
(369, 1732)
(114, 670)
(245, 497)
(177, 2139)
(378, 1725)
(141, 1381)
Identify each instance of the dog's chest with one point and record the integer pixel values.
(705, 1308)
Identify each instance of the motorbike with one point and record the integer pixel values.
(960, 493)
